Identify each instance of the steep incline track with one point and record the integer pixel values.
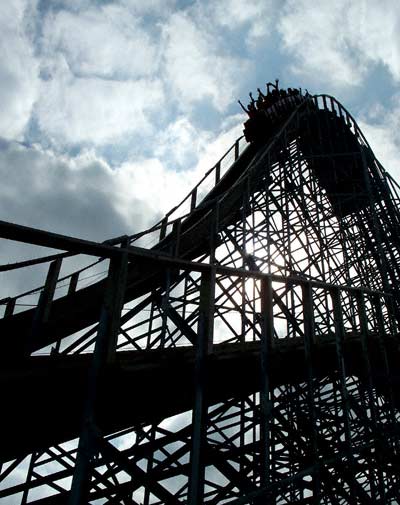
(282, 281)
(72, 313)
(313, 128)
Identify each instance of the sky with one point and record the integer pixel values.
(112, 110)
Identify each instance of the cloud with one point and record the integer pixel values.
(157, 7)
(91, 110)
(339, 42)
(163, 188)
(196, 66)
(100, 83)
(255, 16)
(374, 32)
(84, 196)
(381, 127)
(231, 129)
(74, 196)
(319, 42)
(113, 71)
(19, 82)
(181, 143)
(107, 42)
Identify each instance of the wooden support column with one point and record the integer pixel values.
(383, 351)
(236, 150)
(43, 308)
(104, 353)
(267, 335)
(379, 486)
(176, 232)
(163, 229)
(193, 199)
(309, 343)
(199, 423)
(73, 283)
(345, 404)
(10, 308)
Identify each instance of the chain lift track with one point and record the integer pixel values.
(248, 355)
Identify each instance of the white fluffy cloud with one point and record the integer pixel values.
(374, 28)
(106, 42)
(78, 110)
(319, 41)
(19, 69)
(148, 179)
(337, 42)
(196, 67)
(100, 81)
(106, 70)
(256, 16)
(181, 142)
(162, 188)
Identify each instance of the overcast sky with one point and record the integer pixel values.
(110, 110)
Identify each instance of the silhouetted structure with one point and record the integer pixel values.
(249, 356)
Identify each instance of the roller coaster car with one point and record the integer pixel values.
(265, 119)
(327, 142)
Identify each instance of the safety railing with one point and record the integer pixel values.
(67, 284)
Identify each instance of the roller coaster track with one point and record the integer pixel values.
(264, 317)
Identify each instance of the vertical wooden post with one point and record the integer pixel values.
(199, 423)
(163, 229)
(43, 308)
(236, 150)
(217, 172)
(176, 231)
(10, 308)
(104, 352)
(339, 337)
(267, 335)
(73, 283)
(193, 199)
(309, 343)
(371, 403)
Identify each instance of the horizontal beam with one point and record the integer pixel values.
(53, 396)
(34, 236)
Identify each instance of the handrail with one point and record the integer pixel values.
(214, 168)
(20, 233)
